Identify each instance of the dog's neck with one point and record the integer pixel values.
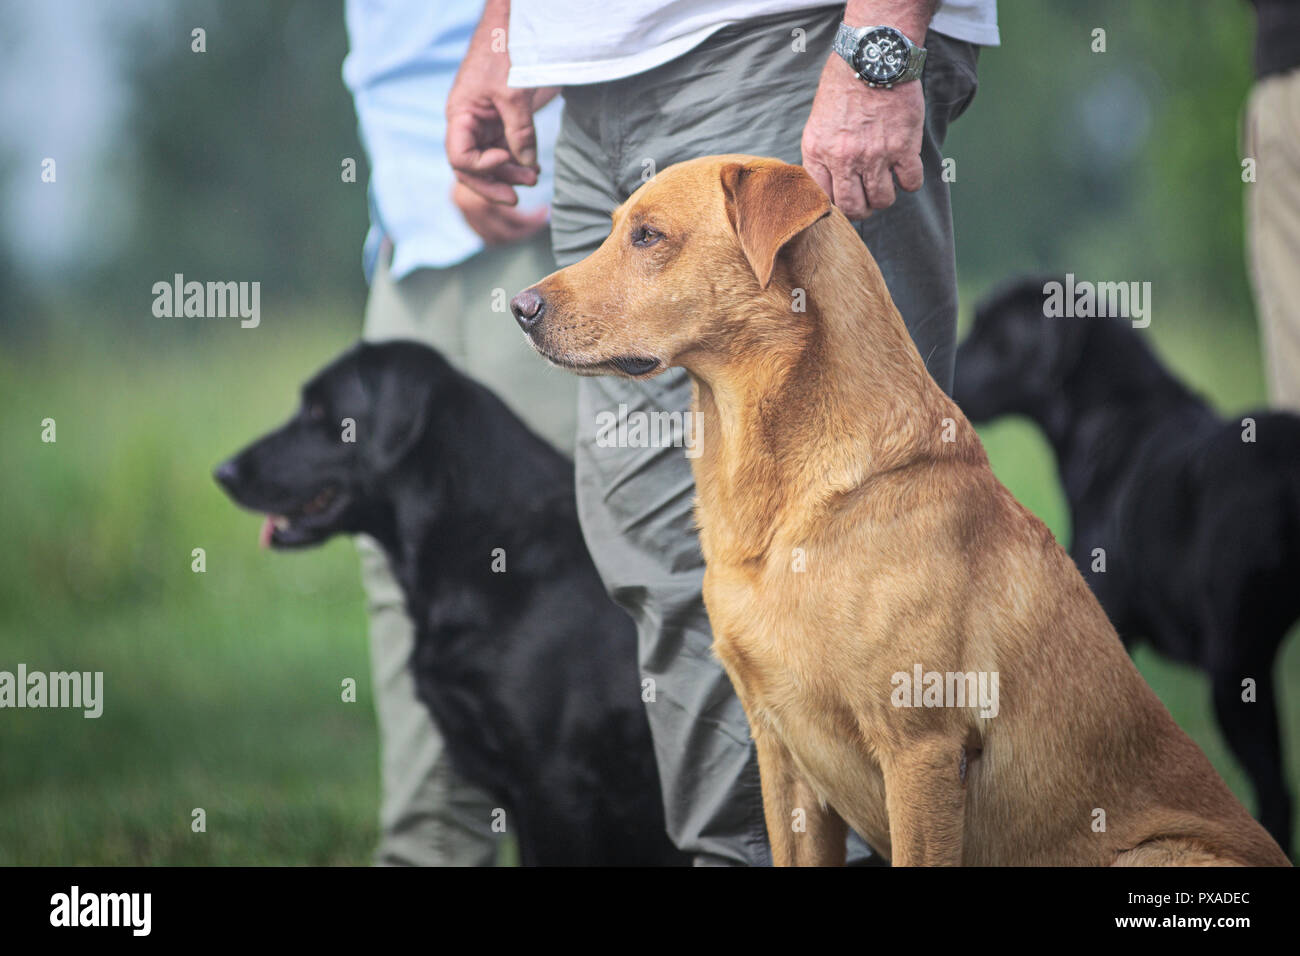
(450, 544)
(808, 406)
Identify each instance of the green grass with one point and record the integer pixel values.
(222, 689)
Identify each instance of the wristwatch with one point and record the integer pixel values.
(880, 56)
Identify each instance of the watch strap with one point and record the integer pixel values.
(915, 64)
(847, 39)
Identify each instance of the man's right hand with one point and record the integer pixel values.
(491, 142)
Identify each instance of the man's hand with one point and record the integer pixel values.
(497, 224)
(491, 142)
(858, 138)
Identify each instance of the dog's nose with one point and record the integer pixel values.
(528, 308)
(227, 474)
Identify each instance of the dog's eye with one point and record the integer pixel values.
(645, 236)
(316, 412)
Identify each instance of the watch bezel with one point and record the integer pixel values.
(859, 61)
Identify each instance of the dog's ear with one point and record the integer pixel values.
(768, 205)
(398, 387)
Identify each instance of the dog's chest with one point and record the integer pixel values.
(794, 680)
(784, 635)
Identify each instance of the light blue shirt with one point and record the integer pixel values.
(403, 57)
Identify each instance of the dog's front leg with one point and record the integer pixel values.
(803, 831)
(925, 796)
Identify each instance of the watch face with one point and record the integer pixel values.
(882, 55)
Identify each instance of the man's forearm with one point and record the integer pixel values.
(496, 13)
(910, 17)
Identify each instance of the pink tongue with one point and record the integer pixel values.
(264, 536)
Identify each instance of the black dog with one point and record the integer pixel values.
(1200, 527)
(527, 666)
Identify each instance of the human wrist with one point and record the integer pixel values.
(880, 52)
(496, 16)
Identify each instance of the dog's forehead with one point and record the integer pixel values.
(338, 379)
(689, 188)
(677, 188)
(685, 191)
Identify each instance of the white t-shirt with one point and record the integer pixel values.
(571, 42)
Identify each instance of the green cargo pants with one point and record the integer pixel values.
(429, 816)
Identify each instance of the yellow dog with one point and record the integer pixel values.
(857, 544)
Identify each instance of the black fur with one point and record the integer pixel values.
(1201, 529)
(530, 674)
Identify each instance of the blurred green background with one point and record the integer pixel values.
(223, 688)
